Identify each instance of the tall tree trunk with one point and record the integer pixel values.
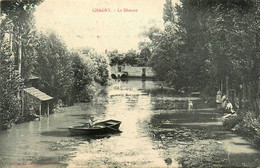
(258, 58)
(244, 99)
(221, 85)
(227, 86)
(258, 98)
(244, 90)
(11, 43)
(22, 102)
(20, 51)
(240, 96)
(20, 92)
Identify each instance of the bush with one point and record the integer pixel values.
(249, 126)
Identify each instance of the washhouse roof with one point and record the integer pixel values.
(38, 94)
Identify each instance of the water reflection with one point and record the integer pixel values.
(55, 133)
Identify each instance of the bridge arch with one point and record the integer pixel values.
(114, 76)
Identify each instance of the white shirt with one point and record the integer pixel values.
(230, 107)
(91, 122)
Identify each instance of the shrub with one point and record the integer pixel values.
(250, 127)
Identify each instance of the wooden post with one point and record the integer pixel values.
(40, 110)
(22, 99)
(48, 109)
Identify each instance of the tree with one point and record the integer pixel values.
(89, 69)
(83, 79)
(101, 64)
(53, 65)
(16, 25)
(144, 56)
(208, 42)
(115, 57)
(131, 57)
(10, 84)
(19, 17)
(168, 12)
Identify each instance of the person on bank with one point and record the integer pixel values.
(229, 109)
(218, 99)
(229, 106)
(224, 102)
(190, 105)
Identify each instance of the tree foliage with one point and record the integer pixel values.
(89, 68)
(168, 12)
(16, 31)
(208, 42)
(10, 84)
(131, 57)
(67, 76)
(18, 22)
(52, 64)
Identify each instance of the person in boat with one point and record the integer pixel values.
(91, 121)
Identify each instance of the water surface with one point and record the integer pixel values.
(157, 128)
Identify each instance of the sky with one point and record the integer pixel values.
(81, 23)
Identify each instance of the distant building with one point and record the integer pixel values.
(131, 71)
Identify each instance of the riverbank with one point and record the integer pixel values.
(243, 123)
(246, 125)
(94, 93)
(198, 139)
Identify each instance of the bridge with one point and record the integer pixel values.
(119, 75)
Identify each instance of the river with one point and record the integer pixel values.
(157, 128)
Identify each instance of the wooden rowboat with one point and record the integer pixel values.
(103, 127)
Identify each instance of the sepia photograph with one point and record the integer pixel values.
(129, 83)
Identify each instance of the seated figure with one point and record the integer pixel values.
(91, 121)
(229, 107)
